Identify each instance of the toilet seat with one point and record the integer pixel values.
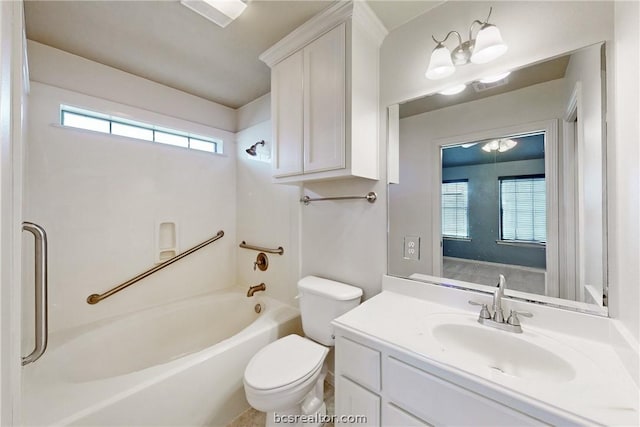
(284, 363)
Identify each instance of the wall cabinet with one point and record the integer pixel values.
(324, 96)
(401, 391)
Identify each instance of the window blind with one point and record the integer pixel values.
(523, 209)
(455, 210)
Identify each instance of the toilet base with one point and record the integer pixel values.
(295, 418)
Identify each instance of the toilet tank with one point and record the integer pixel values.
(321, 301)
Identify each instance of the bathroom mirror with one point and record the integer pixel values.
(508, 177)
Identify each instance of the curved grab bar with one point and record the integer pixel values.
(41, 312)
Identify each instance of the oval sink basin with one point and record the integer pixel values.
(503, 352)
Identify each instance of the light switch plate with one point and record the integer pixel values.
(411, 248)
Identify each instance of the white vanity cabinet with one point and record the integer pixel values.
(324, 96)
(390, 388)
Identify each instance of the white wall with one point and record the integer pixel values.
(410, 211)
(62, 69)
(346, 240)
(253, 113)
(268, 214)
(624, 185)
(100, 196)
(584, 69)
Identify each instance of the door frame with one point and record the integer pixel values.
(550, 128)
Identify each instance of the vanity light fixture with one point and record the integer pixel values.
(453, 90)
(500, 145)
(220, 12)
(485, 47)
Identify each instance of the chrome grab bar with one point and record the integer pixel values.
(96, 298)
(279, 251)
(371, 197)
(41, 312)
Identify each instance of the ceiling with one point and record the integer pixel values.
(167, 43)
(527, 148)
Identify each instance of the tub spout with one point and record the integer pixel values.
(253, 289)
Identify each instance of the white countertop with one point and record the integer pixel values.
(602, 391)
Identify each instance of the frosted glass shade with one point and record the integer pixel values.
(440, 65)
(488, 45)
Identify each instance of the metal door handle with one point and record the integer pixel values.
(41, 312)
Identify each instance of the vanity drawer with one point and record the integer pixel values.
(358, 362)
(441, 403)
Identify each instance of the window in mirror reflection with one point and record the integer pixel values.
(523, 209)
(455, 212)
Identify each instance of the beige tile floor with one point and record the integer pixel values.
(254, 418)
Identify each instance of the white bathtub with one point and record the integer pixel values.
(180, 364)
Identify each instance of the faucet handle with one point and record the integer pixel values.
(484, 311)
(513, 317)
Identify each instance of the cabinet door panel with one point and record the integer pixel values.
(324, 102)
(353, 400)
(286, 106)
(392, 416)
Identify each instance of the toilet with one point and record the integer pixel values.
(285, 379)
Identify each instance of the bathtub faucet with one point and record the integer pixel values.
(253, 289)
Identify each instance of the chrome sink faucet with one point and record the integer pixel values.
(512, 324)
(498, 315)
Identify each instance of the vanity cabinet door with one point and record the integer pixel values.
(286, 107)
(354, 401)
(441, 403)
(324, 102)
(392, 416)
(308, 104)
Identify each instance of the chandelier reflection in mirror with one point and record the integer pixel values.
(485, 47)
(499, 145)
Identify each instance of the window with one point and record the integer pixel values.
(98, 122)
(455, 211)
(523, 211)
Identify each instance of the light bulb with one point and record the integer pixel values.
(453, 90)
(495, 78)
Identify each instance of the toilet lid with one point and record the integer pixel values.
(283, 362)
